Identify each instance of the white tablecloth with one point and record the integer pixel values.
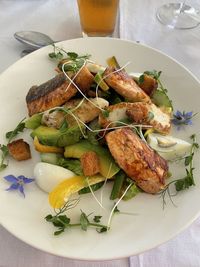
(59, 19)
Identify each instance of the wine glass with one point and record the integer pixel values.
(178, 15)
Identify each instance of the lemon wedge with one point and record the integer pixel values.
(61, 193)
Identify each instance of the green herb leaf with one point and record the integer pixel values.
(62, 222)
(97, 218)
(87, 190)
(64, 219)
(59, 231)
(105, 113)
(48, 218)
(93, 135)
(116, 210)
(84, 221)
(3, 166)
(72, 55)
(102, 230)
(154, 73)
(4, 150)
(188, 159)
(141, 79)
(73, 165)
(19, 128)
(63, 126)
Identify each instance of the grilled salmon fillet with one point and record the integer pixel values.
(52, 93)
(137, 159)
(150, 114)
(124, 85)
(138, 113)
(84, 79)
(84, 110)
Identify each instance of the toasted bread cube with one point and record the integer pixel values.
(84, 79)
(90, 163)
(19, 150)
(149, 85)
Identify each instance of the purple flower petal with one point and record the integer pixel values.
(179, 114)
(28, 180)
(182, 118)
(189, 122)
(188, 115)
(13, 187)
(11, 179)
(21, 189)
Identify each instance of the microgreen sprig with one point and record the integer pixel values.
(188, 180)
(62, 222)
(9, 136)
(73, 62)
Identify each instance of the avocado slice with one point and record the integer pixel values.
(108, 167)
(34, 121)
(54, 137)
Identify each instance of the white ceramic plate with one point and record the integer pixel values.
(150, 225)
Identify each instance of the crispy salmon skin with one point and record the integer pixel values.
(50, 94)
(138, 160)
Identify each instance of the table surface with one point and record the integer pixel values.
(137, 22)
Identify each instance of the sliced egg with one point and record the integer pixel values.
(168, 147)
(48, 176)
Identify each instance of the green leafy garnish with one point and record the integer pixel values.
(64, 126)
(132, 191)
(4, 154)
(117, 185)
(9, 136)
(90, 188)
(62, 222)
(164, 97)
(116, 210)
(105, 113)
(92, 136)
(73, 165)
(71, 60)
(19, 128)
(97, 218)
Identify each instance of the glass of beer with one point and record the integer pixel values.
(98, 17)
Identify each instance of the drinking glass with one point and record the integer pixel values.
(98, 17)
(178, 15)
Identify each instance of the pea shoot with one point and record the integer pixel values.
(10, 136)
(62, 222)
(72, 61)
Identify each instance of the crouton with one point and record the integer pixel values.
(149, 84)
(19, 150)
(84, 79)
(90, 163)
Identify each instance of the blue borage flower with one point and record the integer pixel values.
(182, 118)
(17, 183)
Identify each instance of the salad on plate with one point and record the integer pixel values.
(94, 125)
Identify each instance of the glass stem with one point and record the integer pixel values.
(182, 6)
